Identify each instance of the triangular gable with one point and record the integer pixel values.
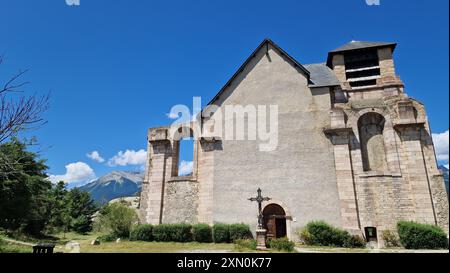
(265, 43)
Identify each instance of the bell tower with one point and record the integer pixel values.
(366, 69)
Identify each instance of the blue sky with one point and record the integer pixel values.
(115, 68)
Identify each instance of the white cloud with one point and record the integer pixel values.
(446, 166)
(94, 155)
(129, 157)
(185, 167)
(441, 145)
(75, 173)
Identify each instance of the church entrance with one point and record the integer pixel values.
(274, 221)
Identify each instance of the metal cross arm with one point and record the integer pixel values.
(259, 198)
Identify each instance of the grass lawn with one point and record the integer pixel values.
(6, 247)
(325, 249)
(153, 247)
(126, 246)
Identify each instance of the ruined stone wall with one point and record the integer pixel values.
(180, 202)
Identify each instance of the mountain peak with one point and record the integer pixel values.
(114, 185)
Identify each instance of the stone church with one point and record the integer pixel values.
(352, 149)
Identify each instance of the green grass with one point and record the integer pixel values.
(6, 247)
(125, 246)
(153, 247)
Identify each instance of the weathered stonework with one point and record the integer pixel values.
(354, 157)
(181, 202)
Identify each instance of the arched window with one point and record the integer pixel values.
(370, 127)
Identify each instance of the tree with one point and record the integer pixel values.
(118, 219)
(71, 210)
(58, 209)
(28, 200)
(24, 188)
(80, 208)
(19, 112)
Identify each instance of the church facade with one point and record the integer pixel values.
(351, 149)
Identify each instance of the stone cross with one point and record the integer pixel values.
(259, 199)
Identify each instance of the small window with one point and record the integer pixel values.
(371, 234)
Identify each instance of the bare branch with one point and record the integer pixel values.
(19, 112)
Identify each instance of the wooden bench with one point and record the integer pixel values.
(43, 248)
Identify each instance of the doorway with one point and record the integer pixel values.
(371, 234)
(274, 221)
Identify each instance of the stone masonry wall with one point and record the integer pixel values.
(316, 170)
(180, 202)
(299, 174)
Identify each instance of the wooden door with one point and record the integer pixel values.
(271, 227)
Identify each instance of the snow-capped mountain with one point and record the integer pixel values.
(114, 185)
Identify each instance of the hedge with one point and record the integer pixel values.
(354, 241)
(172, 233)
(239, 231)
(322, 234)
(281, 244)
(221, 233)
(202, 233)
(107, 238)
(421, 236)
(142, 233)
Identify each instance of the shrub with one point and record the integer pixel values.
(281, 244)
(390, 238)
(239, 231)
(182, 233)
(162, 233)
(118, 219)
(172, 233)
(245, 244)
(354, 241)
(82, 224)
(421, 236)
(202, 233)
(305, 237)
(142, 233)
(107, 238)
(221, 233)
(322, 234)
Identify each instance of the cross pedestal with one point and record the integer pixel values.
(261, 239)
